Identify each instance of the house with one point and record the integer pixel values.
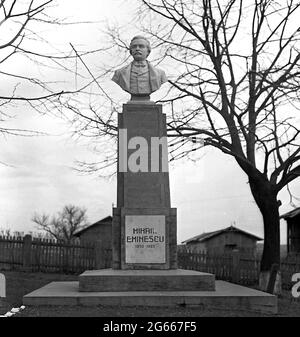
(98, 231)
(223, 241)
(293, 230)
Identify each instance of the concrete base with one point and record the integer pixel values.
(226, 295)
(145, 280)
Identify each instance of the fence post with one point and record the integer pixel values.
(235, 266)
(27, 252)
(99, 255)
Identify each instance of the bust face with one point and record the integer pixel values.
(139, 50)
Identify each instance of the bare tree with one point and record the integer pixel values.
(244, 94)
(235, 79)
(5, 232)
(34, 72)
(64, 225)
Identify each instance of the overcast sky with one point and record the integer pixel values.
(209, 195)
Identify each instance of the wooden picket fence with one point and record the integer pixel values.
(235, 267)
(11, 252)
(31, 254)
(220, 265)
(289, 266)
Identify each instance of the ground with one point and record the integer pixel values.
(22, 283)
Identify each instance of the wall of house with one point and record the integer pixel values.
(229, 241)
(197, 246)
(98, 233)
(225, 242)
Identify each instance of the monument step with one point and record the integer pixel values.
(106, 280)
(227, 295)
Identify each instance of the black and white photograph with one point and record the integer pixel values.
(149, 162)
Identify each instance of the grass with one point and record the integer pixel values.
(22, 283)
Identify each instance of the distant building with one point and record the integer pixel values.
(98, 231)
(293, 230)
(224, 241)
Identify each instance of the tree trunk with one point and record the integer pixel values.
(266, 200)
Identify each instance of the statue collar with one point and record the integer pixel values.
(139, 64)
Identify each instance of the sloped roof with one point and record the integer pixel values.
(205, 236)
(107, 220)
(291, 214)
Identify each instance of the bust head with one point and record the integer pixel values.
(140, 48)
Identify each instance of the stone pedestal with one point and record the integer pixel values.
(110, 280)
(144, 224)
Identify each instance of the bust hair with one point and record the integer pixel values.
(143, 38)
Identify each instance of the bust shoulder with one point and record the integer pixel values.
(158, 73)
